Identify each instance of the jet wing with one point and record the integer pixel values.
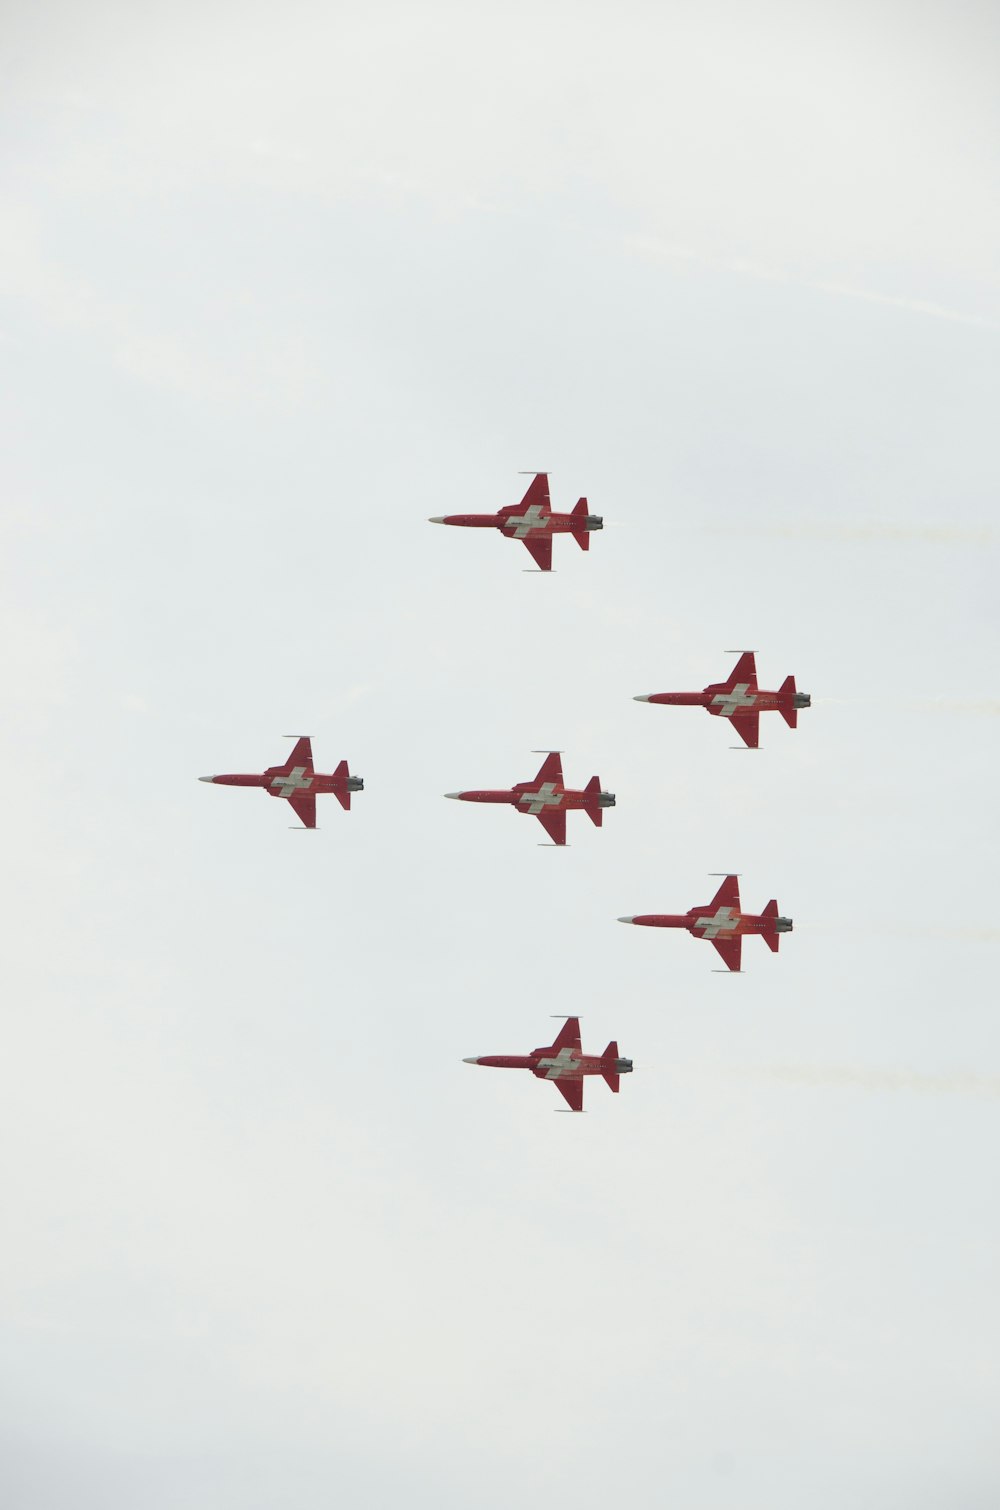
(551, 769)
(731, 951)
(554, 824)
(301, 755)
(540, 547)
(569, 1037)
(728, 894)
(537, 495)
(745, 670)
(746, 726)
(571, 1091)
(304, 804)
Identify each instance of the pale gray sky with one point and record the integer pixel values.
(277, 284)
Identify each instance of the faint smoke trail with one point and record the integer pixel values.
(934, 534)
(650, 248)
(901, 931)
(987, 705)
(958, 1083)
(982, 706)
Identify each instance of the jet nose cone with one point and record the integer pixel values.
(455, 796)
(643, 699)
(438, 519)
(206, 778)
(470, 1061)
(626, 920)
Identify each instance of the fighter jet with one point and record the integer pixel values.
(299, 783)
(565, 1064)
(533, 523)
(722, 921)
(547, 799)
(740, 700)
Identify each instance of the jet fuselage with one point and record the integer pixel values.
(280, 783)
(518, 526)
(706, 924)
(727, 701)
(532, 800)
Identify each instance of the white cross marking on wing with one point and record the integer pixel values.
(546, 796)
(724, 922)
(737, 697)
(295, 781)
(533, 518)
(563, 1063)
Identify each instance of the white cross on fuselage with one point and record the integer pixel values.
(532, 519)
(295, 781)
(737, 697)
(564, 1063)
(546, 796)
(725, 922)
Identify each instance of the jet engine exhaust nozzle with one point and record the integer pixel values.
(623, 1066)
(593, 522)
(782, 925)
(802, 700)
(606, 799)
(355, 784)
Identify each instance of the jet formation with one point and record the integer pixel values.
(740, 699)
(547, 798)
(533, 523)
(565, 1064)
(722, 922)
(299, 783)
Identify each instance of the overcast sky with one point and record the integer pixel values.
(278, 283)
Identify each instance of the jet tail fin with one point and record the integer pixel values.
(788, 712)
(582, 537)
(771, 935)
(592, 792)
(608, 1060)
(342, 793)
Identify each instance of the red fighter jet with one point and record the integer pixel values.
(547, 799)
(722, 921)
(565, 1064)
(740, 700)
(297, 781)
(533, 523)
